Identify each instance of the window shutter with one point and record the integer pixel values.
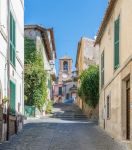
(14, 33)
(12, 97)
(116, 43)
(12, 40)
(102, 69)
(49, 83)
(11, 27)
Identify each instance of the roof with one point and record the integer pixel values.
(51, 30)
(66, 57)
(44, 37)
(105, 21)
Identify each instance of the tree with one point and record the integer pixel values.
(35, 76)
(89, 88)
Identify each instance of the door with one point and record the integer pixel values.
(128, 110)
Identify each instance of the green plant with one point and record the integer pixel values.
(5, 100)
(49, 106)
(89, 88)
(35, 76)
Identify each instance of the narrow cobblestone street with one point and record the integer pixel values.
(63, 131)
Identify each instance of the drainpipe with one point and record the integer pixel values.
(8, 67)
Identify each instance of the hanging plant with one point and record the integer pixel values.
(5, 100)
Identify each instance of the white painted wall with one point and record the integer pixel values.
(3, 47)
(17, 9)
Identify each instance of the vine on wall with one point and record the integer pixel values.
(35, 76)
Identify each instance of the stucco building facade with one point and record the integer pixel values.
(45, 43)
(115, 44)
(11, 67)
(87, 55)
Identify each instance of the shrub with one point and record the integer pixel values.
(89, 88)
(49, 107)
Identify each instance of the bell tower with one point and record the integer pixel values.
(65, 70)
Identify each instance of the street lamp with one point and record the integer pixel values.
(52, 64)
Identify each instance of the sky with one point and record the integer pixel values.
(71, 20)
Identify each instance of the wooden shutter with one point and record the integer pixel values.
(102, 69)
(12, 97)
(49, 83)
(12, 40)
(116, 43)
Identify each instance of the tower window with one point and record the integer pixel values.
(65, 65)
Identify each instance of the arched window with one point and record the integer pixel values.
(65, 65)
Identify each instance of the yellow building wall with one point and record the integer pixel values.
(113, 80)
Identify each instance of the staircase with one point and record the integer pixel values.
(69, 112)
(70, 117)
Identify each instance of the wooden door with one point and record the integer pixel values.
(128, 110)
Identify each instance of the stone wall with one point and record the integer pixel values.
(12, 125)
(92, 113)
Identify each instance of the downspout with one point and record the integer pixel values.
(8, 67)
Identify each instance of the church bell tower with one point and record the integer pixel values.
(65, 70)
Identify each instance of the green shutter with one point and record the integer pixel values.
(12, 97)
(11, 53)
(116, 43)
(14, 33)
(49, 83)
(11, 27)
(102, 69)
(12, 40)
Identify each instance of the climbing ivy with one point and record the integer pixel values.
(89, 88)
(35, 76)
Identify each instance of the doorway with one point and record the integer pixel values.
(128, 109)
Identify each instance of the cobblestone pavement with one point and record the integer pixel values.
(61, 134)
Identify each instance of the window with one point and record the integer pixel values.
(108, 107)
(49, 83)
(12, 40)
(65, 65)
(102, 69)
(12, 97)
(60, 90)
(116, 43)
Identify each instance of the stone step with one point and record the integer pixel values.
(71, 116)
